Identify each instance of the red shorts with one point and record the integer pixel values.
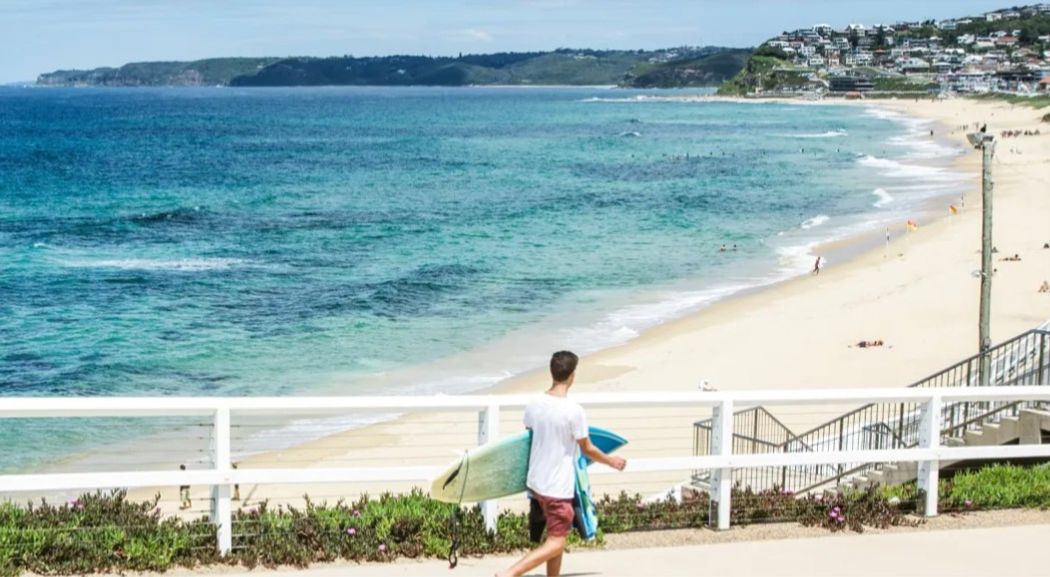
(559, 515)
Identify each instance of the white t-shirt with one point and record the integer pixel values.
(557, 424)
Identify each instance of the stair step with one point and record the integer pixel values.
(954, 442)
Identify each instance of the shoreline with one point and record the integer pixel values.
(629, 365)
(896, 297)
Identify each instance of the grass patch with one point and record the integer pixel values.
(1040, 101)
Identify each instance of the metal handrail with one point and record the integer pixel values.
(1012, 361)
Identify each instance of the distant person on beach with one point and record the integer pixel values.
(1045, 287)
(816, 266)
(723, 249)
(184, 493)
(559, 427)
(236, 487)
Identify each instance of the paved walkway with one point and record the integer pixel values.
(1015, 551)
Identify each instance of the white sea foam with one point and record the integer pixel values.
(827, 134)
(795, 258)
(884, 198)
(179, 265)
(896, 169)
(814, 222)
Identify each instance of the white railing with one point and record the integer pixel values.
(222, 477)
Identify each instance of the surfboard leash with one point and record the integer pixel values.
(453, 550)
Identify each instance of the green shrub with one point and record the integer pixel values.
(853, 510)
(104, 532)
(999, 486)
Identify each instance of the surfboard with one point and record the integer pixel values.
(499, 469)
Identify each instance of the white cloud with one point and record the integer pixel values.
(477, 34)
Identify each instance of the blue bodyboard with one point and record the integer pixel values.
(586, 516)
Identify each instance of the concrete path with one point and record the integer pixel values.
(1015, 551)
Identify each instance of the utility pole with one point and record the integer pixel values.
(986, 144)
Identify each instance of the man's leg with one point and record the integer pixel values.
(554, 565)
(552, 548)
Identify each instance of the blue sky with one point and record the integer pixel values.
(42, 35)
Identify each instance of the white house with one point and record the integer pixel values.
(913, 65)
(984, 43)
(993, 16)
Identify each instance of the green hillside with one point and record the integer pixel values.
(643, 68)
(209, 72)
(710, 70)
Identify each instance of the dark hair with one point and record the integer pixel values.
(563, 365)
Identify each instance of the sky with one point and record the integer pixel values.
(43, 35)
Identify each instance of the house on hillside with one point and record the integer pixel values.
(1044, 85)
(993, 16)
(913, 65)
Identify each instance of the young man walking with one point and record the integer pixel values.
(559, 427)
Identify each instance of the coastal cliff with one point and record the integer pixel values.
(209, 72)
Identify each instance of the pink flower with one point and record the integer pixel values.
(968, 503)
(351, 531)
(357, 513)
(382, 547)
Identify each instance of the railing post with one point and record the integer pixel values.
(839, 468)
(930, 438)
(488, 431)
(221, 506)
(722, 478)
(1043, 366)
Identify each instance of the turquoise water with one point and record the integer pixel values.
(298, 241)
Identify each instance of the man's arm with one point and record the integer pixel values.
(595, 454)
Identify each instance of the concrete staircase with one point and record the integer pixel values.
(1029, 427)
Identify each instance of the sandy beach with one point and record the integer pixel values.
(919, 297)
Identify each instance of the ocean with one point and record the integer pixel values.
(306, 241)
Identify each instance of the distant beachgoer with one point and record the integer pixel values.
(1046, 245)
(184, 493)
(734, 248)
(236, 487)
(1045, 287)
(723, 249)
(816, 266)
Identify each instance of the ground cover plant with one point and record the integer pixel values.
(104, 532)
